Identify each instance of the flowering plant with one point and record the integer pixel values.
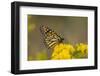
(67, 51)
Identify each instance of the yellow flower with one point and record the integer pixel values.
(62, 51)
(31, 27)
(82, 47)
(67, 51)
(81, 51)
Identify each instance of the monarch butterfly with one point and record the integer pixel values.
(50, 37)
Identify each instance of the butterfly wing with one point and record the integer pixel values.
(50, 37)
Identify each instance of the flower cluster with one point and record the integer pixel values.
(67, 51)
(81, 51)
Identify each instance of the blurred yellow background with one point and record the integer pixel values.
(73, 29)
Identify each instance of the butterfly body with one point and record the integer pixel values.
(50, 37)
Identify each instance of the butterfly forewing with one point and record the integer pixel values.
(50, 37)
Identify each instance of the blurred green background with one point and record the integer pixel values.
(72, 28)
